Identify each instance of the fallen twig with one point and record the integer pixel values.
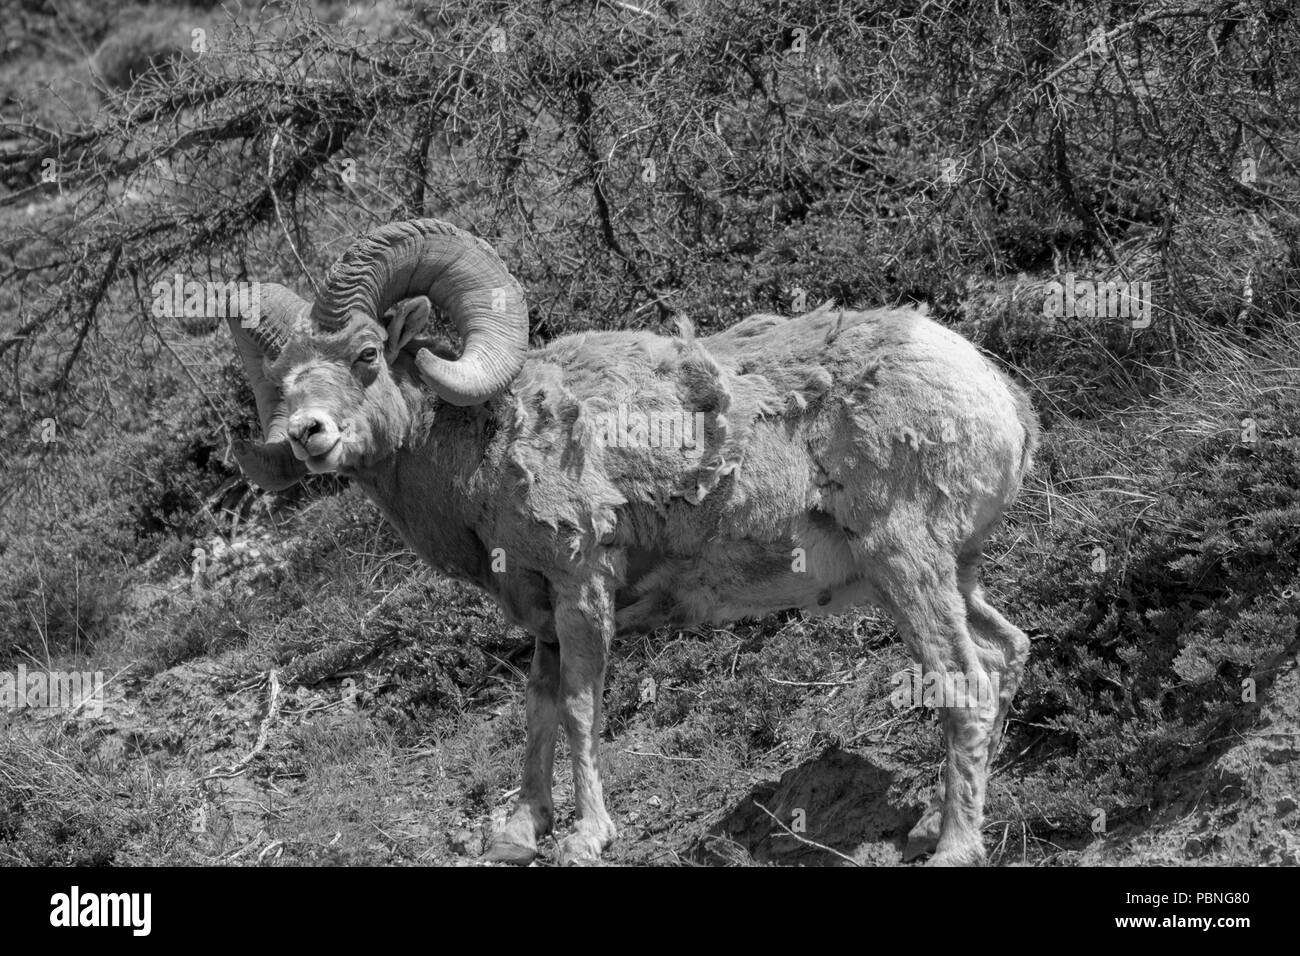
(272, 711)
(642, 753)
(804, 840)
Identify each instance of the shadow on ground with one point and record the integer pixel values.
(838, 807)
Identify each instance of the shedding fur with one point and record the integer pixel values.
(634, 481)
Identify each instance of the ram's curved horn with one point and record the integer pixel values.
(462, 275)
(280, 311)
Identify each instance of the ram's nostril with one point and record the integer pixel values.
(303, 427)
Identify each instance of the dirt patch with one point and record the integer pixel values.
(839, 807)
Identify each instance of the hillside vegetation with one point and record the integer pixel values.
(288, 684)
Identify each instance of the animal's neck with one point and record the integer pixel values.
(426, 490)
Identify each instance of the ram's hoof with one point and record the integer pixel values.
(504, 851)
(584, 845)
(958, 857)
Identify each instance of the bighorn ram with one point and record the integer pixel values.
(842, 458)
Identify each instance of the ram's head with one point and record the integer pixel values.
(334, 381)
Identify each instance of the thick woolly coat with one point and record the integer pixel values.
(832, 441)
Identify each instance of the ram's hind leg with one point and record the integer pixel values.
(534, 813)
(1003, 646)
(1003, 650)
(930, 612)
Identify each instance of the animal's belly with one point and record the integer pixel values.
(691, 570)
(678, 594)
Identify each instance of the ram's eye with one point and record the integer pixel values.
(368, 355)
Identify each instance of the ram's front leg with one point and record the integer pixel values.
(584, 622)
(533, 813)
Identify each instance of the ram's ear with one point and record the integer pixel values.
(442, 347)
(406, 361)
(404, 322)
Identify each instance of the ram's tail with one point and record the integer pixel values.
(1029, 422)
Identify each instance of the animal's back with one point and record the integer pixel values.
(823, 435)
(901, 412)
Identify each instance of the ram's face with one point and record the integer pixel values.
(339, 382)
(341, 405)
(342, 393)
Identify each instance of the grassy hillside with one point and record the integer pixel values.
(288, 684)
